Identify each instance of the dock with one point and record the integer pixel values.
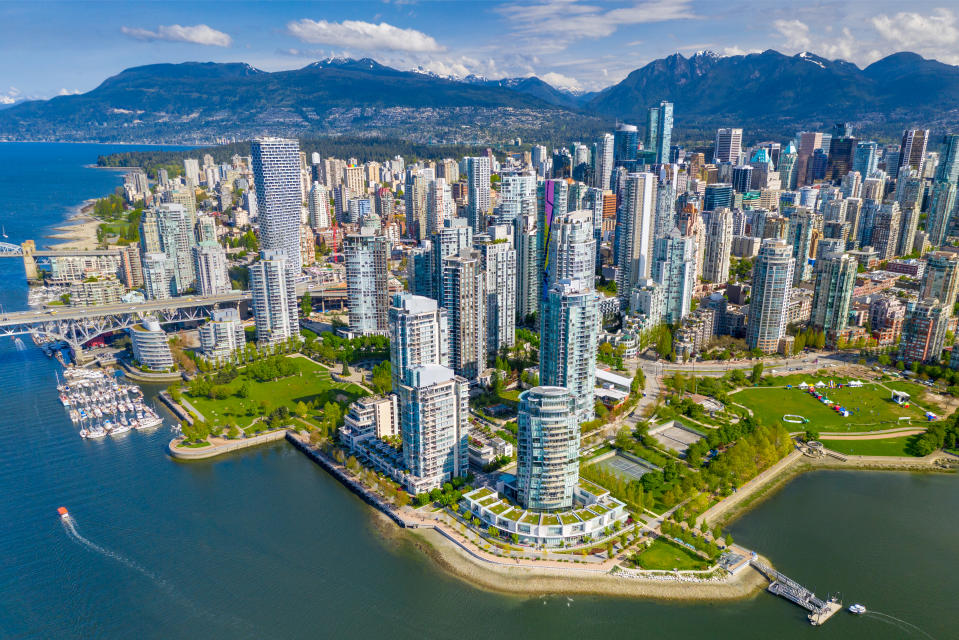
(781, 585)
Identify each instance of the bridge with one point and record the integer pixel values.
(78, 325)
(781, 585)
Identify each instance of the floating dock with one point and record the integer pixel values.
(781, 585)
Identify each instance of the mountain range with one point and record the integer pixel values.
(767, 93)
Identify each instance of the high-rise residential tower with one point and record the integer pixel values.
(635, 225)
(419, 335)
(719, 240)
(548, 449)
(772, 280)
(835, 279)
(477, 192)
(463, 295)
(273, 287)
(528, 272)
(367, 281)
(674, 270)
(498, 263)
(276, 177)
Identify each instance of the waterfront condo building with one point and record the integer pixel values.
(463, 295)
(367, 281)
(150, 346)
(370, 417)
(222, 335)
(276, 178)
(419, 335)
(570, 324)
(772, 280)
(548, 449)
(158, 276)
(273, 287)
(434, 414)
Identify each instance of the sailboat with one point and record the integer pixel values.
(3, 231)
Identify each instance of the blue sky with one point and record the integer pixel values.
(48, 48)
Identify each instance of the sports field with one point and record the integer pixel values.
(625, 468)
(871, 407)
(880, 447)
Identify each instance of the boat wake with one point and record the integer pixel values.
(237, 624)
(71, 529)
(907, 627)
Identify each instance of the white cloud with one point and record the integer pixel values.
(552, 24)
(560, 81)
(68, 92)
(362, 35)
(915, 31)
(196, 34)
(795, 34)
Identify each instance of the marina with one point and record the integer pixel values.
(102, 406)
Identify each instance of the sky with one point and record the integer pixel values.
(51, 48)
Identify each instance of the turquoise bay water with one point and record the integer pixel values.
(264, 544)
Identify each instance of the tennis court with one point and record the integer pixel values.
(626, 468)
(675, 437)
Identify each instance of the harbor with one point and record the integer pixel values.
(103, 406)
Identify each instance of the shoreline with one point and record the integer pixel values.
(78, 230)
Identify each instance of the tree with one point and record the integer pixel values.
(610, 549)
(811, 435)
(729, 539)
(306, 305)
(757, 373)
(346, 369)
(301, 409)
(402, 498)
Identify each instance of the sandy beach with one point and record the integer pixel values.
(531, 581)
(79, 231)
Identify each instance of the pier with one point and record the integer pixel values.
(781, 585)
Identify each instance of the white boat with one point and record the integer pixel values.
(118, 429)
(857, 609)
(93, 432)
(64, 400)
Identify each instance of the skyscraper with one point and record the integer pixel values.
(367, 281)
(439, 205)
(158, 278)
(548, 449)
(419, 335)
(273, 286)
(604, 161)
(718, 195)
(528, 272)
(434, 414)
(570, 331)
(719, 240)
(635, 225)
(463, 295)
(802, 224)
(913, 150)
(517, 197)
(772, 280)
(659, 130)
(318, 205)
(477, 192)
(886, 229)
(209, 260)
(455, 235)
(625, 145)
(948, 169)
(729, 144)
(572, 251)
(742, 179)
(941, 212)
(866, 158)
(940, 280)
(276, 176)
(923, 331)
(835, 277)
(498, 263)
(674, 270)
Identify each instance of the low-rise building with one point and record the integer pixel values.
(95, 291)
(372, 417)
(592, 518)
(150, 346)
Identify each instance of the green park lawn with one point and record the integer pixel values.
(871, 405)
(919, 393)
(313, 384)
(884, 447)
(662, 555)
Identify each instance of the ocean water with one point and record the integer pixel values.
(264, 544)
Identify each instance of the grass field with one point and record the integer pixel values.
(668, 556)
(919, 392)
(314, 383)
(871, 406)
(884, 447)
